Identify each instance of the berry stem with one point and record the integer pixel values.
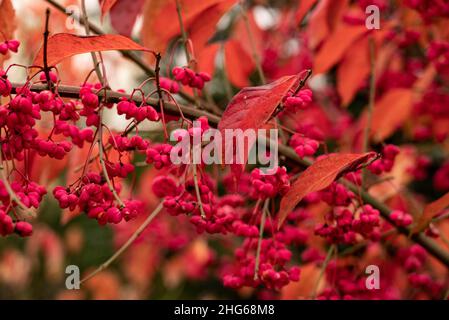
(183, 31)
(372, 96)
(103, 164)
(126, 245)
(323, 269)
(197, 190)
(252, 43)
(259, 242)
(93, 54)
(46, 34)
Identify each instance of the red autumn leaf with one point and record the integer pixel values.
(395, 107)
(303, 7)
(430, 211)
(238, 63)
(318, 177)
(252, 107)
(124, 14)
(65, 45)
(106, 6)
(7, 22)
(336, 45)
(324, 18)
(353, 70)
(390, 112)
(158, 30)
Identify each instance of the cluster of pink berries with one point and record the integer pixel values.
(306, 140)
(131, 110)
(135, 143)
(272, 271)
(413, 260)
(441, 178)
(18, 118)
(420, 168)
(337, 195)
(119, 169)
(169, 85)
(429, 9)
(52, 149)
(299, 101)
(9, 45)
(159, 155)
(386, 162)
(90, 103)
(8, 226)
(401, 218)
(30, 194)
(190, 78)
(5, 85)
(439, 53)
(78, 136)
(94, 197)
(347, 284)
(268, 186)
(342, 226)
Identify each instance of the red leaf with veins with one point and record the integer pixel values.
(252, 108)
(318, 177)
(65, 45)
(124, 14)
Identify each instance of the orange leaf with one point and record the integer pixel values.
(353, 70)
(106, 6)
(65, 45)
(7, 22)
(336, 45)
(324, 18)
(319, 176)
(390, 112)
(395, 106)
(238, 63)
(303, 7)
(430, 211)
(161, 24)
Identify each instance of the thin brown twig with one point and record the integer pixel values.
(259, 242)
(372, 97)
(126, 245)
(197, 191)
(252, 43)
(46, 34)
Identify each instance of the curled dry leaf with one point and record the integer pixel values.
(65, 45)
(319, 176)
